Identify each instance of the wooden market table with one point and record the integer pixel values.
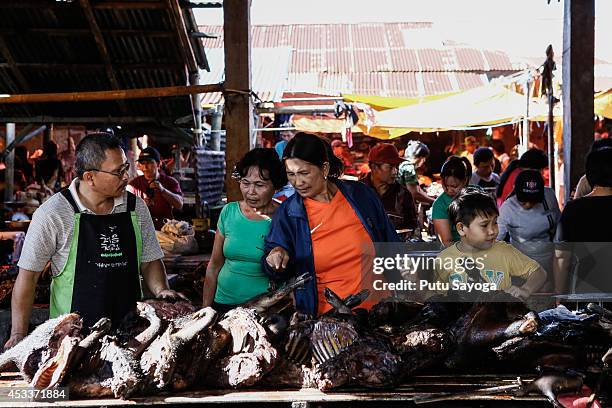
(180, 264)
(351, 397)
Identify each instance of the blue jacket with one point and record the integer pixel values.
(290, 230)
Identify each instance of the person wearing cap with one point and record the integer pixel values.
(161, 193)
(471, 144)
(384, 160)
(99, 240)
(532, 159)
(529, 218)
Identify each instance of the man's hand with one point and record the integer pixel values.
(278, 258)
(13, 340)
(156, 185)
(171, 294)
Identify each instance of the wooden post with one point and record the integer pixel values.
(9, 162)
(238, 104)
(578, 85)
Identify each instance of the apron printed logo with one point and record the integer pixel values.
(110, 243)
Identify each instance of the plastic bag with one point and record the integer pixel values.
(177, 237)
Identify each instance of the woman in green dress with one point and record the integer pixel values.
(234, 273)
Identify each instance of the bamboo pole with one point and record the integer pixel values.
(112, 95)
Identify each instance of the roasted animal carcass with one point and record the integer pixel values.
(160, 359)
(110, 367)
(394, 314)
(51, 373)
(251, 356)
(564, 339)
(43, 344)
(368, 362)
(272, 301)
(487, 324)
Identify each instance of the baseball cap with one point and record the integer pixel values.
(529, 186)
(385, 153)
(149, 153)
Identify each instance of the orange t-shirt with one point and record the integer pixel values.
(339, 244)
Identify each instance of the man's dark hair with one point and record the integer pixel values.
(599, 167)
(263, 159)
(601, 143)
(534, 159)
(482, 155)
(91, 151)
(314, 150)
(498, 146)
(469, 204)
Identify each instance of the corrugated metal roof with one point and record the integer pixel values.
(270, 67)
(369, 47)
(437, 83)
(52, 48)
(373, 58)
(497, 61)
(469, 59)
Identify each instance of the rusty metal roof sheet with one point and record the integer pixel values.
(270, 68)
(372, 58)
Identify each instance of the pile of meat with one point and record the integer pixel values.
(166, 346)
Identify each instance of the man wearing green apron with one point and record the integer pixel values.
(99, 239)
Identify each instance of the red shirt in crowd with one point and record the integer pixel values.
(159, 207)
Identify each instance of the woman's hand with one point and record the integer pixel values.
(278, 258)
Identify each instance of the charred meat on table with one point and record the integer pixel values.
(251, 354)
(41, 345)
(160, 359)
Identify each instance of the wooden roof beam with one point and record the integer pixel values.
(112, 4)
(176, 13)
(10, 61)
(63, 32)
(117, 5)
(99, 39)
(118, 67)
(130, 5)
(108, 120)
(113, 95)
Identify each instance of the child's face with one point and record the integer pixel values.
(484, 169)
(481, 233)
(452, 185)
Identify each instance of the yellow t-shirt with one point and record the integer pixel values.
(496, 264)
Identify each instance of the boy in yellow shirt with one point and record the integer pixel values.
(478, 256)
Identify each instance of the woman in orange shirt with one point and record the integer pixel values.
(327, 229)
